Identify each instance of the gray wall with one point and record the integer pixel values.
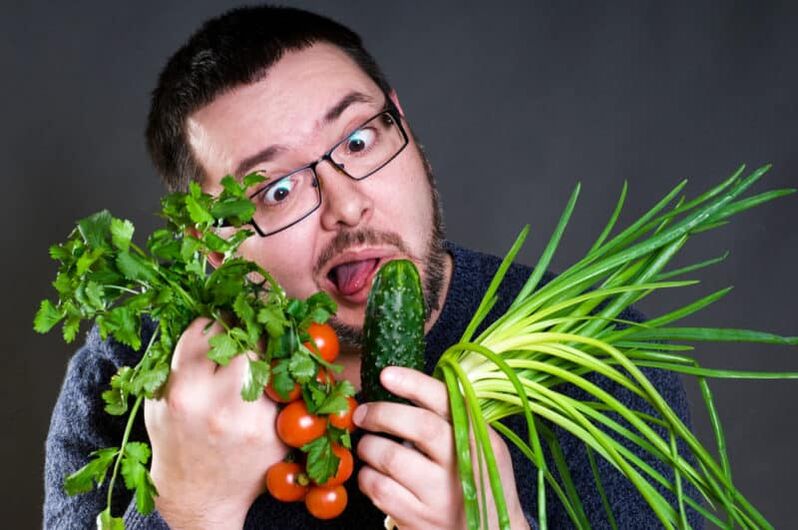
(515, 104)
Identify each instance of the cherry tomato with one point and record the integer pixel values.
(343, 419)
(345, 465)
(326, 341)
(296, 426)
(283, 480)
(326, 503)
(324, 377)
(275, 396)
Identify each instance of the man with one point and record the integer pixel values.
(295, 96)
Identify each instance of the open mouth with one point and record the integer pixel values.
(351, 277)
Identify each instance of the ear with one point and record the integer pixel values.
(215, 258)
(395, 99)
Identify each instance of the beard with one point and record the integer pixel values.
(433, 259)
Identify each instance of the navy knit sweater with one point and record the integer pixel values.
(79, 425)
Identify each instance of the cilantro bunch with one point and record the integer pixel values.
(105, 278)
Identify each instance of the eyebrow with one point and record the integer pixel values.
(332, 114)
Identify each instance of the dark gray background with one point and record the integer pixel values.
(515, 103)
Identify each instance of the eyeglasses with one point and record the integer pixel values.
(289, 199)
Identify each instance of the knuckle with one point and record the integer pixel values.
(216, 424)
(381, 490)
(390, 460)
(178, 403)
(431, 428)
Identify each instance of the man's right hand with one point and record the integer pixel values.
(211, 449)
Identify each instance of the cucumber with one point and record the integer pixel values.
(393, 331)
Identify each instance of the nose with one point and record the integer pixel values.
(345, 203)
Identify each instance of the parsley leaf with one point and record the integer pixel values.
(257, 378)
(121, 233)
(223, 348)
(47, 317)
(94, 472)
(137, 477)
(322, 462)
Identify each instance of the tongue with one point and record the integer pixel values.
(351, 277)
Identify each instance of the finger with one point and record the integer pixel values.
(232, 376)
(191, 352)
(429, 432)
(418, 388)
(389, 496)
(403, 464)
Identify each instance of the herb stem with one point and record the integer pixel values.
(120, 454)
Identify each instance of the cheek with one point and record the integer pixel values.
(407, 205)
(288, 257)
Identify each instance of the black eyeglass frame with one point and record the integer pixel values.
(389, 109)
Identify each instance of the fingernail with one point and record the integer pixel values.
(360, 413)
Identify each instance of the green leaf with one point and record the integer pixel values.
(94, 472)
(281, 380)
(188, 247)
(322, 462)
(333, 404)
(60, 253)
(137, 477)
(302, 367)
(122, 323)
(223, 348)
(337, 400)
(321, 306)
(272, 317)
(253, 178)
(121, 233)
(235, 211)
(162, 243)
(96, 229)
(297, 309)
(63, 284)
(215, 243)
(151, 380)
(71, 327)
(197, 211)
(231, 186)
(135, 267)
(95, 294)
(47, 316)
(105, 521)
(116, 397)
(257, 378)
(88, 259)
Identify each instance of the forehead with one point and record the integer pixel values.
(286, 106)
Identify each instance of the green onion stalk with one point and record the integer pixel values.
(562, 333)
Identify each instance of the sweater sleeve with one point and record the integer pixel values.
(80, 425)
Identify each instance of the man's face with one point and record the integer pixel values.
(360, 224)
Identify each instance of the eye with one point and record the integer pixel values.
(277, 192)
(360, 140)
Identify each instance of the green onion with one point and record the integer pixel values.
(569, 329)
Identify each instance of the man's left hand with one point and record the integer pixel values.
(419, 486)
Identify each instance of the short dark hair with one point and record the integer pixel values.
(230, 50)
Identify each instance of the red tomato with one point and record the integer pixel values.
(343, 419)
(296, 426)
(326, 503)
(324, 377)
(345, 465)
(283, 482)
(325, 340)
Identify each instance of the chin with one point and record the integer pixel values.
(349, 331)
